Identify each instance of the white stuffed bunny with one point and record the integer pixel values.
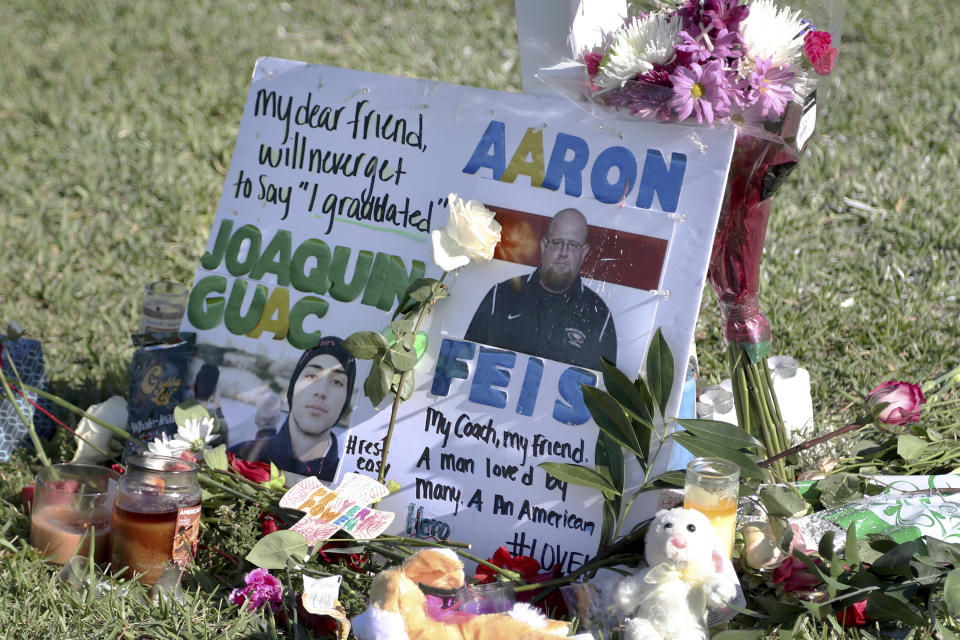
(669, 600)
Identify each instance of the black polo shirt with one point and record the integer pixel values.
(573, 326)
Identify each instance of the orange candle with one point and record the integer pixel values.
(156, 518)
(712, 488)
(71, 503)
(57, 530)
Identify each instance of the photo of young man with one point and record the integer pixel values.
(318, 396)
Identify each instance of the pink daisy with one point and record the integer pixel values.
(701, 91)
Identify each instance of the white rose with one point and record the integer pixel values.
(760, 547)
(471, 234)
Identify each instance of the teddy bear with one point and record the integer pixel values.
(686, 576)
(399, 608)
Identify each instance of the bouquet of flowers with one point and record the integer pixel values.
(744, 63)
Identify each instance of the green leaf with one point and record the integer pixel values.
(839, 488)
(401, 326)
(850, 546)
(812, 607)
(609, 524)
(817, 571)
(704, 447)
(189, 410)
(943, 552)
(578, 475)
(365, 344)
(882, 606)
(951, 593)
(609, 460)
(277, 479)
(660, 371)
(910, 447)
(778, 609)
(402, 355)
(216, 458)
(896, 561)
(377, 385)
(676, 478)
(405, 390)
(275, 550)
(634, 400)
(825, 548)
(422, 289)
(610, 417)
(721, 432)
(783, 500)
(944, 633)
(739, 634)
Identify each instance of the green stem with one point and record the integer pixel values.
(573, 575)
(739, 381)
(770, 439)
(396, 396)
(123, 433)
(767, 381)
(44, 460)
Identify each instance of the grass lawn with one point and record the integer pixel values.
(117, 123)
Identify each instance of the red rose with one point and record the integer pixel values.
(26, 498)
(268, 525)
(355, 561)
(816, 46)
(529, 569)
(255, 471)
(854, 615)
(795, 575)
(896, 403)
(526, 566)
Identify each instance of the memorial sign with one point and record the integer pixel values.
(336, 181)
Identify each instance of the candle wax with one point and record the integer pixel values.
(721, 510)
(143, 541)
(57, 530)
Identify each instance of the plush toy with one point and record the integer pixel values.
(685, 575)
(399, 607)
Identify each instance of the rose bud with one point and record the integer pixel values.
(760, 548)
(895, 403)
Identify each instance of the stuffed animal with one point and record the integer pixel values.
(686, 575)
(399, 609)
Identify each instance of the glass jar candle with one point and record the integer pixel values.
(712, 488)
(156, 516)
(71, 503)
(164, 304)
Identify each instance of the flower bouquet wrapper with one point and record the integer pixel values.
(758, 66)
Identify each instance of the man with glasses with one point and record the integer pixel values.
(550, 313)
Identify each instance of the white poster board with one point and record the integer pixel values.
(337, 179)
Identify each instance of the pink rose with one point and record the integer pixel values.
(896, 403)
(816, 46)
(795, 575)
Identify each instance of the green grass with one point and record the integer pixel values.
(117, 123)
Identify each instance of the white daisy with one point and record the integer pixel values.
(166, 446)
(771, 32)
(194, 434)
(636, 47)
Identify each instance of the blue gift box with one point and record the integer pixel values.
(27, 356)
